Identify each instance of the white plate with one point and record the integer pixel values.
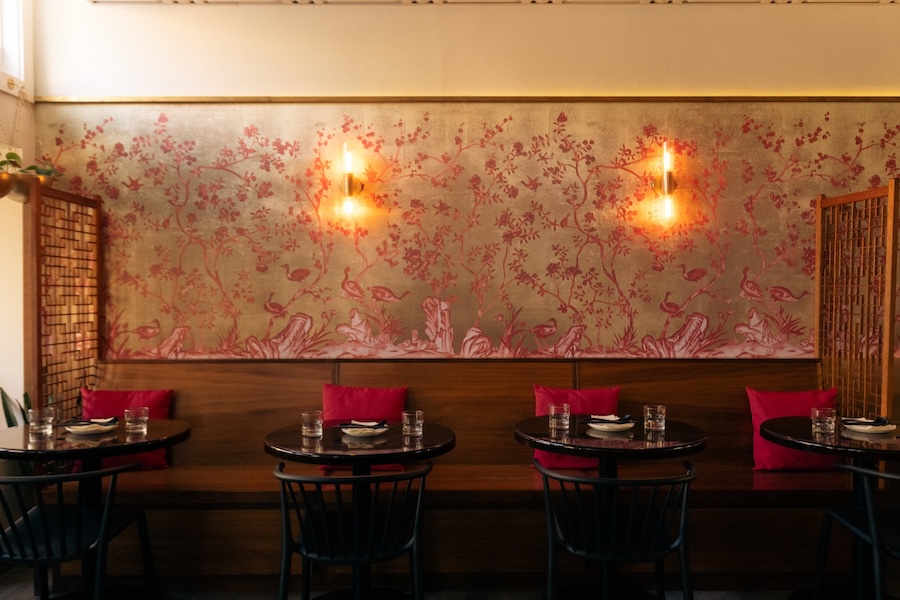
(92, 428)
(364, 431)
(871, 428)
(610, 435)
(611, 426)
(356, 442)
(871, 438)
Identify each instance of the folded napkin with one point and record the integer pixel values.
(100, 421)
(606, 419)
(364, 424)
(876, 422)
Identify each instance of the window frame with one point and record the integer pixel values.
(14, 81)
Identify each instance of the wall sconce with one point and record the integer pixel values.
(666, 185)
(351, 187)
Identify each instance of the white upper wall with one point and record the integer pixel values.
(88, 51)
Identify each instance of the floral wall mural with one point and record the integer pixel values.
(485, 229)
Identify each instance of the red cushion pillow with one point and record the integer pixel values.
(362, 403)
(109, 403)
(769, 405)
(598, 401)
(346, 402)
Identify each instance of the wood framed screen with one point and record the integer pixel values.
(855, 287)
(64, 282)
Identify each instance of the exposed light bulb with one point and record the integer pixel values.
(348, 207)
(667, 158)
(667, 210)
(348, 160)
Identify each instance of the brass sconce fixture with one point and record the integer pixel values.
(351, 187)
(665, 186)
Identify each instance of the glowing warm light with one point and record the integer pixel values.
(667, 159)
(348, 160)
(348, 208)
(667, 208)
(666, 203)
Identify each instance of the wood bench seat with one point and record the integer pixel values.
(254, 486)
(214, 514)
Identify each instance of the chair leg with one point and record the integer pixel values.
(285, 576)
(606, 575)
(100, 571)
(305, 580)
(41, 584)
(824, 539)
(147, 555)
(415, 568)
(551, 571)
(877, 573)
(660, 571)
(687, 585)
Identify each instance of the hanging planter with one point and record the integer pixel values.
(13, 172)
(7, 182)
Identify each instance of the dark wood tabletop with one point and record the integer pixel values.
(796, 432)
(608, 447)
(338, 448)
(17, 444)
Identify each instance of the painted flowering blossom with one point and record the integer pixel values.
(483, 230)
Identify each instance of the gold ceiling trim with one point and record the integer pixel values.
(409, 2)
(437, 99)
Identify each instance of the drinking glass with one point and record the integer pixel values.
(40, 421)
(654, 417)
(559, 416)
(822, 420)
(136, 419)
(311, 423)
(413, 422)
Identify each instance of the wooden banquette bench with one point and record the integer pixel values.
(214, 514)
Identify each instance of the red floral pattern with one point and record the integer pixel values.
(490, 229)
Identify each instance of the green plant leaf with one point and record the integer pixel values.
(27, 401)
(8, 404)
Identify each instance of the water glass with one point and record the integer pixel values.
(311, 423)
(654, 417)
(136, 419)
(413, 422)
(412, 442)
(654, 438)
(559, 416)
(41, 421)
(822, 420)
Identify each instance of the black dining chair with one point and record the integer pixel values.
(617, 521)
(48, 520)
(351, 520)
(872, 524)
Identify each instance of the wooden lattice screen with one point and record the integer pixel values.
(64, 267)
(856, 283)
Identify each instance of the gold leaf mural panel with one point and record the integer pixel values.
(482, 230)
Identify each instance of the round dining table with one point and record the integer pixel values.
(865, 449)
(338, 448)
(862, 449)
(17, 443)
(360, 453)
(608, 447)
